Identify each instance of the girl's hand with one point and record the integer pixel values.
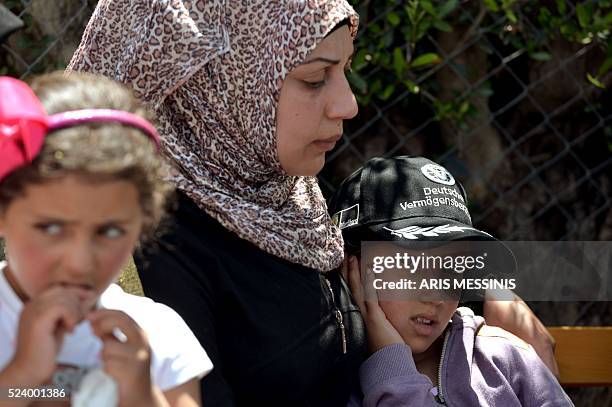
(42, 325)
(126, 355)
(380, 331)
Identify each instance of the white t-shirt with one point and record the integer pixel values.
(177, 356)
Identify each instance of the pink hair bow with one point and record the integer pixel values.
(24, 123)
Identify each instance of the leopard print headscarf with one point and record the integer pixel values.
(212, 71)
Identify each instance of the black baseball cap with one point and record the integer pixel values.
(404, 199)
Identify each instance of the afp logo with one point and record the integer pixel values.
(437, 173)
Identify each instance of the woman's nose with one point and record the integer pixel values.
(342, 104)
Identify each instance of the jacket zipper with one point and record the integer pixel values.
(339, 318)
(440, 396)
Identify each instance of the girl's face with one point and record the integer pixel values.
(70, 232)
(314, 100)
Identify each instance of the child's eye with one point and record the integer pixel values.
(51, 229)
(111, 232)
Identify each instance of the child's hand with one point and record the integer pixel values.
(126, 356)
(380, 331)
(42, 325)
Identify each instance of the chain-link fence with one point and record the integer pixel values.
(512, 96)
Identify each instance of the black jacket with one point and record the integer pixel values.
(271, 327)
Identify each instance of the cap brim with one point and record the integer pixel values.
(432, 232)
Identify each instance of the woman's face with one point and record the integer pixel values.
(314, 100)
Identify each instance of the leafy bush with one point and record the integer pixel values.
(396, 51)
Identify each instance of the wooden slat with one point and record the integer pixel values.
(584, 355)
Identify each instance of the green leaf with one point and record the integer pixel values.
(447, 8)
(386, 94)
(607, 20)
(387, 39)
(385, 59)
(374, 29)
(411, 86)
(567, 30)
(491, 5)
(442, 26)
(595, 81)
(464, 107)
(411, 12)
(561, 6)
(399, 62)
(584, 13)
(427, 6)
(359, 61)
(540, 56)
(376, 86)
(511, 16)
(424, 26)
(357, 82)
(605, 67)
(425, 60)
(544, 16)
(364, 100)
(393, 18)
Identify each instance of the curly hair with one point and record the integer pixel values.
(97, 152)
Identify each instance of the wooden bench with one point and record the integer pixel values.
(584, 355)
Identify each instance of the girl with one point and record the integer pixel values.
(78, 189)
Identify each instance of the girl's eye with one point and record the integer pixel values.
(51, 229)
(111, 232)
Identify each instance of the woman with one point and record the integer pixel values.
(248, 257)
(249, 96)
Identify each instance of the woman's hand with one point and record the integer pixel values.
(127, 357)
(380, 331)
(516, 317)
(42, 325)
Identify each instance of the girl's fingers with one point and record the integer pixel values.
(116, 325)
(81, 296)
(60, 305)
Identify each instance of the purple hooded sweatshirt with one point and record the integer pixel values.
(481, 366)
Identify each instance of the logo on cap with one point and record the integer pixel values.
(437, 173)
(413, 232)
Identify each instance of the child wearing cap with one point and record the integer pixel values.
(80, 184)
(426, 351)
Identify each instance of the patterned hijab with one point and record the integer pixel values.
(212, 71)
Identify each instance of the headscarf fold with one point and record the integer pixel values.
(212, 70)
